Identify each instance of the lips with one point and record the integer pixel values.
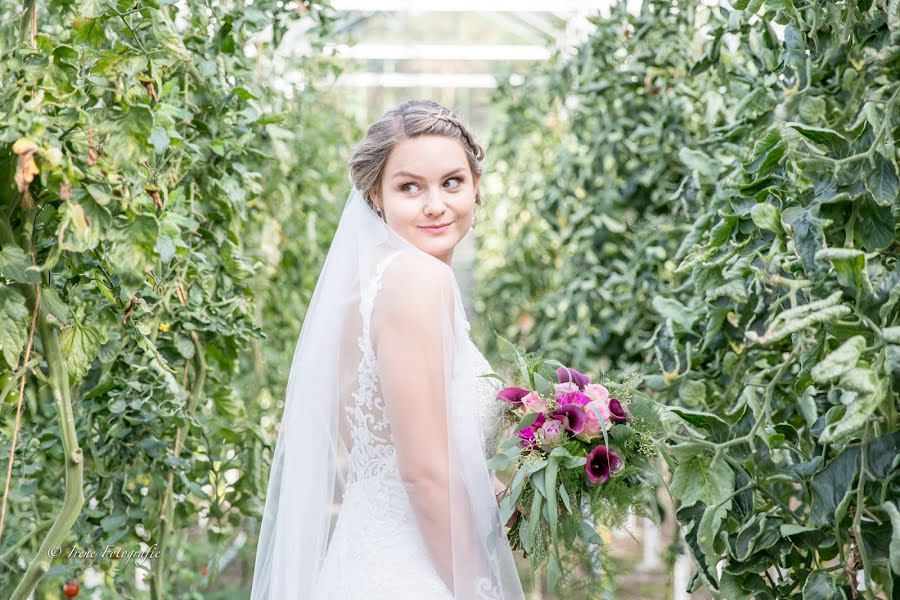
(435, 227)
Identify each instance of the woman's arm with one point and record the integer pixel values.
(411, 326)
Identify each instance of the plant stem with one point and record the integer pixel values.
(857, 518)
(167, 518)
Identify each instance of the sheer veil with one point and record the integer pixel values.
(308, 472)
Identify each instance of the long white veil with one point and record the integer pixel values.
(307, 478)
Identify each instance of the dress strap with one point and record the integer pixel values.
(367, 301)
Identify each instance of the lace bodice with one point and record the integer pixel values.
(377, 550)
(373, 449)
(491, 410)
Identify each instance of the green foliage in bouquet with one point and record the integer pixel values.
(579, 460)
(721, 216)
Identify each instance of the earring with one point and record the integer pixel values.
(472, 226)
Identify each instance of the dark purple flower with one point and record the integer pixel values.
(601, 462)
(527, 433)
(572, 417)
(512, 395)
(572, 398)
(617, 412)
(564, 374)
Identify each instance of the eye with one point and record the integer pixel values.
(459, 179)
(403, 187)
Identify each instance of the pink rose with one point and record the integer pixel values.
(595, 391)
(592, 426)
(534, 403)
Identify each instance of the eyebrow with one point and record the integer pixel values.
(405, 174)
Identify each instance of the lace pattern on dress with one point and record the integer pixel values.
(492, 411)
(373, 451)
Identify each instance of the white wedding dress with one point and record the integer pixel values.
(376, 551)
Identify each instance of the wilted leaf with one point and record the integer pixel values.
(841, 360)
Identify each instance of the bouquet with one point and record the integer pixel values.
(582, 453)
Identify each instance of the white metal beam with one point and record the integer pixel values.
(409, 80)
(377, 51)
(557, 6)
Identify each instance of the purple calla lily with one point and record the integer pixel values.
(572, 417)
(513, 395)
(601, 462)
(564, 374)
(617, 412)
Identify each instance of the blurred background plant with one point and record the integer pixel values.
(706, 195)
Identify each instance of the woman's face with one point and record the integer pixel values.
(427, 181)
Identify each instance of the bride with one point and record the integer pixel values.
(379, 488)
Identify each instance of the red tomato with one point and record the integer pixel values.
(71, 589)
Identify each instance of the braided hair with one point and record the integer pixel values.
(413, 118)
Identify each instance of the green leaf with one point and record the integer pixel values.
(790, 529)
(15, 265)
(76, 232)
(550, 481)
(883, 455)
(762, 532)
(565, 497)
(159, 137)
(14, 319)
(850, 266)
(675, 310)
(820, 586)
(891, 509)
(831, 484)
(766, 154)
(882, 182)
(863, 393)
(835, 142)
(708, 530)
(891, 334)
(698, 161)
(510, 351)
(52, 304)
(502, 460)
(782, 328)
(704, 420)
(112, 523)
(538, 482)
(878, 230)
(808, 235)
(588, 533)
(554, 571)
(526, 421)
(80, 344)
(839, 361)
(766, 216)
(535, 515)
(704, 480)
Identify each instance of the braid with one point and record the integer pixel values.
(452, 119)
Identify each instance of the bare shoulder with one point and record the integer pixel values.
(410, 273)
(415, 288)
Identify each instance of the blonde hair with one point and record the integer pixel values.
(413, 118)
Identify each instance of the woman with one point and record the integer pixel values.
(379, 486)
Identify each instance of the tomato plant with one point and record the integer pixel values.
(721, 217)
(163, 207)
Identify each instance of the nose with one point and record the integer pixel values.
(434, 205)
